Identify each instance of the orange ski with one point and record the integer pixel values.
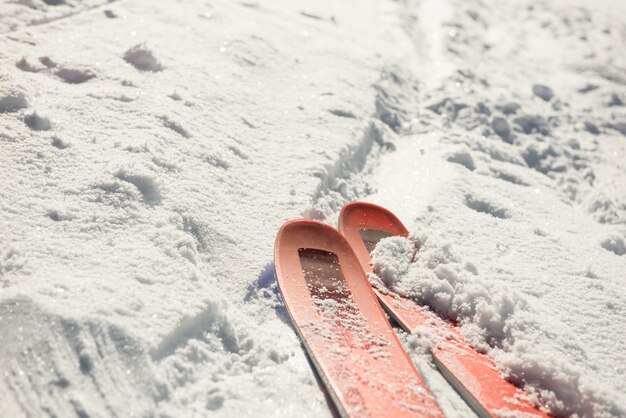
(472, 374)
(343, 328)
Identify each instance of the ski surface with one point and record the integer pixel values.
(343, 328)
(473, 375)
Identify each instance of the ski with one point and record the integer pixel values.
(473, 375)
(343, 328)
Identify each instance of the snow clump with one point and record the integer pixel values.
(512, 330)
(441, 280)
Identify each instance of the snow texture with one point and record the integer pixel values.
(150, 151)
(531, 346)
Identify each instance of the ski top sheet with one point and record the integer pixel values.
(343, 328)
(473, 375)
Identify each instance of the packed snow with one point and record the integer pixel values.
(149, 152)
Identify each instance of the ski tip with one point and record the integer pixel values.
(369, 214)
(299, 233)
(342, 326)
(298, 223)
(357, 215)
(296, 227)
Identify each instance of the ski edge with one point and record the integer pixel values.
(309, 352)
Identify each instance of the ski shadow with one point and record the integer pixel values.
(332, 408)
(265, 286)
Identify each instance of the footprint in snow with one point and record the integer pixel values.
(615, 244)
(618, 126)
(59, 143)
(342, 113)
(592, 128)
(529, 124)
(502, 128)
(47, 62)
(58, 215)
(68, 75)
(142, 59)
(216, 161)
(175, 126)
(74, 75)
(12, 100)
(147, 185)
(25, 65)
(509, 108)
(507, 176)
(542, 91)
(462, 157)
(482, 206)
(615, 100)
(37, 123)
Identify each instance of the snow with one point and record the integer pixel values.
(150, 151)
(527, 339)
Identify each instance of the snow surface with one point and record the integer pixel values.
(149, 151)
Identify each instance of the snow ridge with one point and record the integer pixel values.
(110, 363)
(347, 178)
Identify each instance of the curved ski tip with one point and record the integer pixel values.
(301, 224)
(355, 211)
(366, 207)
(294, 231)
(362, 205)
